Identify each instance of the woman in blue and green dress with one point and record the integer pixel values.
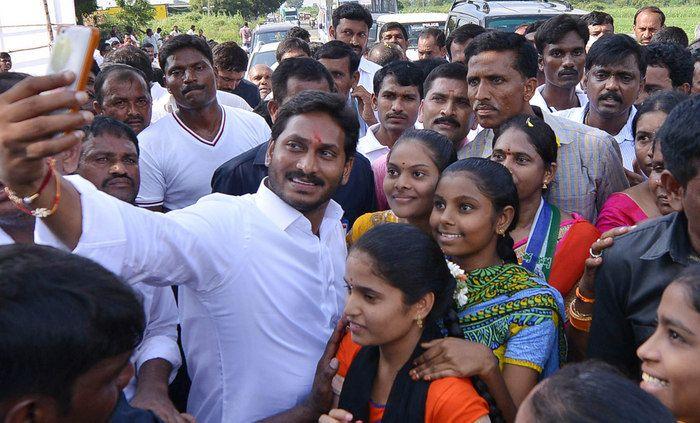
(506, 324)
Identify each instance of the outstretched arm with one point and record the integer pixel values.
(32, 129)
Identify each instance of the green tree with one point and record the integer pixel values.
(250, 9)
(83, 8)
(134, 13)
(295, 3)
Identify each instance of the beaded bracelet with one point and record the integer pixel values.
(39, 212)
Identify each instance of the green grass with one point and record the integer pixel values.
(219, 27)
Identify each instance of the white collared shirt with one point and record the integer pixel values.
(624, 138)
(177, 164)
(367, 70)
(370, 147)
(165, 102)
(259, 296)
(539, 101)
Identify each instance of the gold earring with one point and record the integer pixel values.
(544, 185)
(419, 322)
(500, 232)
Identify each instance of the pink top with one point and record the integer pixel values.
(379, 170)
(619, 210)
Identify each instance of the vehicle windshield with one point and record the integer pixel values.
(415, 28)
(269, 37)
(511, 23)
(265, 57)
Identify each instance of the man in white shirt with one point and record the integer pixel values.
(351, 23)
(180, 152)
(191, 30)
(175, 32)
(397, 94)
(261, 274)
(561, 46)
(151, 39)
(615, 70)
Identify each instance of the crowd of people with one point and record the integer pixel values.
(507, 229)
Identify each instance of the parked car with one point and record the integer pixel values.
(505, 15)
(263, 53)
(414, 24)
(269, 33)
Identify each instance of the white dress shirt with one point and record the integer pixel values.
(367, 70)
(539, 101)
(177, 165)
(160, 336)
(260, 292)
(624, 138)
(370, 147)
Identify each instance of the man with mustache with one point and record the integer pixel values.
(351, 25)
(243, 174)
(445, 106)
(502, 79)
(561, 46)
(647, 22)
(614, 76)
(180, 152)
(397, 94)
(121, 92)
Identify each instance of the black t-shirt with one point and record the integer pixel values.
(249, 92)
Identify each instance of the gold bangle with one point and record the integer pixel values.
(583, 298)
(579, 321)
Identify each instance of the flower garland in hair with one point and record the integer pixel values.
(461, 295)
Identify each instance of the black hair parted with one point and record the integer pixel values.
(436, 33)
(416, 269)
(352, 12)
(134, 57)
(60, 315)
(106, 125)
(495, 182)
(594, 391)
(321, 102)
(455, 70)
(301, 68)
(393, 25)
(405, 74)
(675, 58)
(538, 133)
(680, 140)
(661, 101)
(598, 18)
(298, 32)
(442, 151)
(291, 44)
(336, 49)
(613, 49)
(463, 34)
(120, 72)
(180, 42)
(525, 53)
(229, 56)
(555, 29)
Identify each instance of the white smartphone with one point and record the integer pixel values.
(72, 51)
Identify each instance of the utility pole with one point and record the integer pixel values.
(48, 22)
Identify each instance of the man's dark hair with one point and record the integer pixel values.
(103, 47)
(229, 56)
(102, 125)
(291, 44)
(405, 74)
(454, 70)
(5, 55)
(427, 65)
(336, 49)
(321, 102)
(10, 79)
(676, 59)
(615, 48)
(533, 27)
(671, 34)
(393, 25)
(60, 315)
(583, 392)
(146, 45)
(652, 9)
(180, 42)
(385, 53)
(525, 53)
(436, 33)
(554, 29)
(461, 35)
(314, 46)
(262, 110)
(300, 68)
(598, 18)
(352, 12)
(680, 140)
(298, 32)
(120, 72)
(134, 57)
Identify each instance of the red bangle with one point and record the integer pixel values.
(582, 298)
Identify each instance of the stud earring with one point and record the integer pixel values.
(544, 186)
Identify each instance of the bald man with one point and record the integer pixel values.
(261, 75)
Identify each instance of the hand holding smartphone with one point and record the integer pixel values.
(72, 51)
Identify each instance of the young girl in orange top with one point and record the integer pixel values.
(396, 297)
